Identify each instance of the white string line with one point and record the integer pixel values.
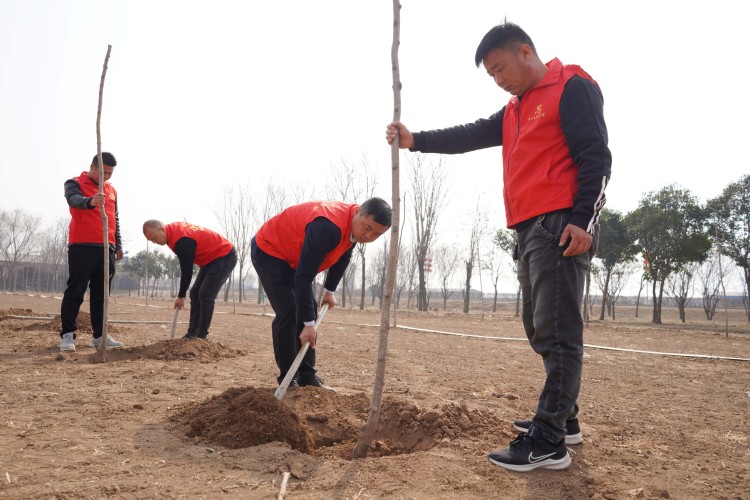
(487, 337)
(590, 346)
(455, 334)
(123, 321)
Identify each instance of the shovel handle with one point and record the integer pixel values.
(174, 322)
(281, 391)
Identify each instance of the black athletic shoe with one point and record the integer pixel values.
(293, 384)
(574, 435)
(314, 381)
(530, 451)
(193, 336)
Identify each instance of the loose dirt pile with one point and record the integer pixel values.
(321, 423)
(175, 350)
(15, 311)
(83, 321)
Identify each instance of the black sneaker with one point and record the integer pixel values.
(574, 435)
(193, 336)
(530, 451)
(314, 381)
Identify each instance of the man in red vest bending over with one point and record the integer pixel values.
(213, 253)
(290, 249)
(86, 250)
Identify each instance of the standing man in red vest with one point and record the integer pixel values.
(556, 165)
(213, 253)
(86, 250)
(289, 250)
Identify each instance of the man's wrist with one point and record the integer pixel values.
(329, 292)
(309, 323)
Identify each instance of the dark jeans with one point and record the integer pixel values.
(85, 269)
(206, 287)
(277, 278)
(552, 289)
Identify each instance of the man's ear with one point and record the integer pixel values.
(525, 52)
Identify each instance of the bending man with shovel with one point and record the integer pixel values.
(290, 249)
(208, 249)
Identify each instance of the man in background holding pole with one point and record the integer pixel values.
(85, 252)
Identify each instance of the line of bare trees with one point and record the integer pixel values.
(678, 248)
(32, 256)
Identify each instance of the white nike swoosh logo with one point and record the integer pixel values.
(533, 459)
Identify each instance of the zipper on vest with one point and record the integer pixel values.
(517, 111)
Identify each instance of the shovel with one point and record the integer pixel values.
(298, 360)
(174, 323)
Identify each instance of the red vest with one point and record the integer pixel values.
(209, 244)
(86, 224)
(282, 236)
(538, 173)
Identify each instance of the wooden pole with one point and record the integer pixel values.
(105, 306)
(400, 238)
(368, 431)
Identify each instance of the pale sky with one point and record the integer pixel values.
(204, 95)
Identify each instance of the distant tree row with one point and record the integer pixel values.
(25, 241)
(681, 245)
(672, 242)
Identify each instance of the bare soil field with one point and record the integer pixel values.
(169, 419)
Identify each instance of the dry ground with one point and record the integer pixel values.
(178, 419)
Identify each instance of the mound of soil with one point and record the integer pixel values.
(15, 311)
(38, 326)
(321, 423)
(173, 350)
(83, 321)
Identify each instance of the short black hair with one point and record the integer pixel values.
(502, 36)
(107, 158)
(378, 209)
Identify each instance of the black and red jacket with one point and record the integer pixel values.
(86, 226)
(283, 236)
(555, 153)
(310, 237)
(194, 244)
(209, 245)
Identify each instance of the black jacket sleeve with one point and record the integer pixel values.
(321, 238)
(118, 237)
(582, 121)
(336, 271)
(185, 251)
(74, 197)
(483, 133)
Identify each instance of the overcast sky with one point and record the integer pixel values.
(200, 96)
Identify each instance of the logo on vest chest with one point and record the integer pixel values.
(539, 113)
